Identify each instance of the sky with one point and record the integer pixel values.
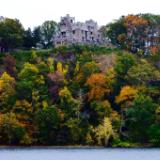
(32, 13)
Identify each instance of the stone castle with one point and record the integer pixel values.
(71, 32)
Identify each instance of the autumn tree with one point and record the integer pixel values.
(23, 110)
(56, 81)
(86, 70)
(115, 30)
(68, 104)
(127, 94)
(11, 131)
(125, 98)
(7, 90)
(9, 64)
(134, 20)
(143, 73)
(104, 132)
(97, 85)
(30, 79)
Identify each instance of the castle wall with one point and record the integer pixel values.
(71, 32)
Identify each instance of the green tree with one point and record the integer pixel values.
(48, 121)
(36, 35)
(142, 113)
(11, 34)
(28, 39)
(154, 134)
(30, 80)
(114, 30)
(48, 30)
(142, 73)
(124, 62)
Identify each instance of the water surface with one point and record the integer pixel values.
(79, 154)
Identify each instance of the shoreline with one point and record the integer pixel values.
(73, 147)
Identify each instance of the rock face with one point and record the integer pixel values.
(71, 32)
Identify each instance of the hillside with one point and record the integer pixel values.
(79, 95)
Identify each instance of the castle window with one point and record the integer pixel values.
(73, 32)
(63, 34)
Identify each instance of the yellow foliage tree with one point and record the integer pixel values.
(59, 67)
(104, 132)
(23, 110)
(65, 93)
(127, 93)
(7, 88)
(62, 69)
(50, 63)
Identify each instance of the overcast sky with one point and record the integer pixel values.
(34, 12)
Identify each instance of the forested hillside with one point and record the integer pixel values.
(79, 95)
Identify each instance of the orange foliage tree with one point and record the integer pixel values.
(134, 20)
(97, 85)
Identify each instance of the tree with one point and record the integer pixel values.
(125, 98)
(127, 93)
(136, 33)
(142, 113)
(48, 30)
(104, 132)
(11, 34)
(9, 63)
(7, 90)
(86, 70)
(73, 125)
(28, 39)
(23, 110)
(114, 30)
(11, 131)
(143, 73)
(134, 20)
(103, 109)
(56, 81)
(48, 121)
(97, 85)
(68, 104)
(124, 63)
(30, 80)
(36, 35)
(154, 134)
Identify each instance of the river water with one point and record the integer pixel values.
(79, 154)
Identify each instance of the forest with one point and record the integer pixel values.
(80, 94)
